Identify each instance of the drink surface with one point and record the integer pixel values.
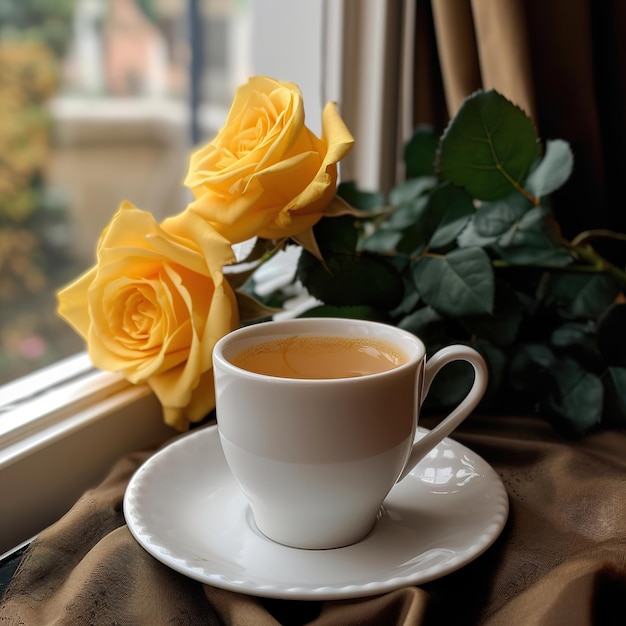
(320, 357)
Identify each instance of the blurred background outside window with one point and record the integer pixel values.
(100, 101)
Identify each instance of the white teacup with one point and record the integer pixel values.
(317, 457)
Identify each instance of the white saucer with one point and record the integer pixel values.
(185, 509)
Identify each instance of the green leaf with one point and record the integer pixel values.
(251, 309)
(578, 339)
(528, 231)
(406, 214)
(580, 398)
(457, 284)
(428, 325)
(350, 312)
(553, 170)
(336, 234)
(531, 368)
(437, 222)
(415, 239)
(496, 364)
(500, 328)
(410, 300)
(547, 256)
(533, 241)
(408, 204)
(420, 152)
(470, 236)
(571, 334)
(488, 147)
(417, 234)
(382, 240)
(411, 189)
(611, 335)
(498, 217)
(583, 296)
(351, 279)
(615, 397)
(364, 200)
(449, 210)
(416, 222)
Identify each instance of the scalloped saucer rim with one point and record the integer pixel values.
(184, 508)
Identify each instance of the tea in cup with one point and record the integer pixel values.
(317, 420)
(321, 357)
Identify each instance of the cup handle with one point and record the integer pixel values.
(444, 356)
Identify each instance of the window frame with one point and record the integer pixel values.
(61, 428)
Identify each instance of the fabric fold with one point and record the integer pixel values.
(561, 558)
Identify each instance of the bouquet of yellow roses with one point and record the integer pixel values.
(156, 301)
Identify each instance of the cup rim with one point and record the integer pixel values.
(417, 355)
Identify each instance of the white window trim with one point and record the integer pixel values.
(62, 440)
(63, 427)
(48, 400)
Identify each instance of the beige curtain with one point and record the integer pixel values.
(562, 61)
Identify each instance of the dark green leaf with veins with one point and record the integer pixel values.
(457, 284)
(580, 396)
(583, 296)
(364, 200)
(489, 147)
(553, 170)
(411, 189)
(352, 279)
(450, 209)
(428, 325)
(531, 237)
(501, 328)
(420, 152)
(336, 234)
(350, 312)
(496, 218)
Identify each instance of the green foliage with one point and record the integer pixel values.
(488, 147)
(418, 153)
(456, 284)
(466, 250)
(348, 277)
(47, 21)
(34, 225)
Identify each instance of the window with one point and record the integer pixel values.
(106, 84)
(109, 115)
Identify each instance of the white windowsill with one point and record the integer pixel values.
(46, 404)
(65, 427)
(24, 388)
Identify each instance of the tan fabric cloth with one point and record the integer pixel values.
(484, 45)
(560, 560)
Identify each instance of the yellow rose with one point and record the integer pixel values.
(265, 173)
(153, 308)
